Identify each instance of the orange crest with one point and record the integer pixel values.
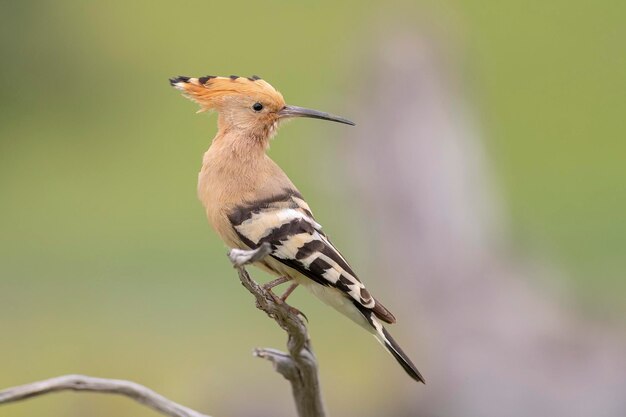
(211, 92)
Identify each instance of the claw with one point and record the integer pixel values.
(297, 312)
(280, 300)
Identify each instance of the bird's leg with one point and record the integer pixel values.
(242, 257)
(276, 282)
(288, 292)
(281, 300)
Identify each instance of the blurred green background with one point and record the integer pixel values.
(107, 264)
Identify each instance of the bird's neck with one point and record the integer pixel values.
(243, 134)
(232, 159)
(244, 145)
(236, 168)
(235, 171)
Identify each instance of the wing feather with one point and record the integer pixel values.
(297, 241)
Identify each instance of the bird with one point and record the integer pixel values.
(250, 201)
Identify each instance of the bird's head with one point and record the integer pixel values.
(250, 105)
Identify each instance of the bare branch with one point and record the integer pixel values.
(130, 389)
(299, 366)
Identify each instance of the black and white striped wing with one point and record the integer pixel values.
(297, 241)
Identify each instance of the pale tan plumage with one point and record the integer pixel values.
(232, 174)
(249, 200)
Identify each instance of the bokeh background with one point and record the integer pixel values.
(503, 120)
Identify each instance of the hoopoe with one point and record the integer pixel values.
(250, 201)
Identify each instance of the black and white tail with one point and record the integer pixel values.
(300, 250)
(385, 339)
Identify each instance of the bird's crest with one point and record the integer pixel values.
(210, 91)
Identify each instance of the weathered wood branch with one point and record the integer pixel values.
(299, 366)
(129, 389)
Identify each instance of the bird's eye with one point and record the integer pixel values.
(257, 107)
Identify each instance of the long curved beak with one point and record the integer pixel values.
(295, 111)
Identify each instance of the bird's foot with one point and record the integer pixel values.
(282, 299)
(297, 312)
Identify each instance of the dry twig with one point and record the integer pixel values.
(299, 366)
(130, 389)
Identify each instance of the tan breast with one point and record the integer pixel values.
(232, 175)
